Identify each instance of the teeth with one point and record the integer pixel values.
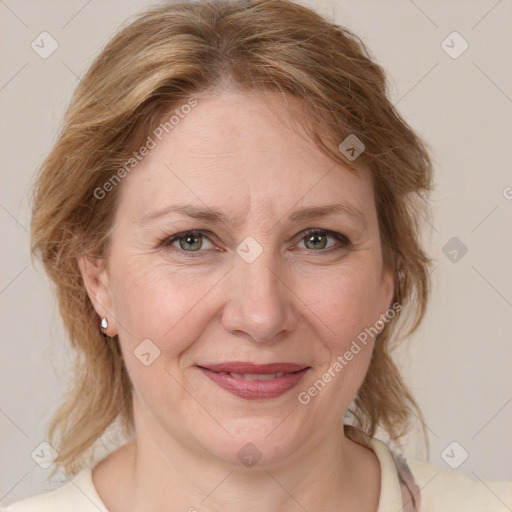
(255, 376)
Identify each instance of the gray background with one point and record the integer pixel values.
(458, 364)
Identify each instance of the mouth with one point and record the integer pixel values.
(255, 381)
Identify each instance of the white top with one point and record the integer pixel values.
(410, 486)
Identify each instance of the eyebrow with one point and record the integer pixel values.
(316, 212)
(216, 217)
(205, 214)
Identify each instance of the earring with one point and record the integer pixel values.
(103, 326)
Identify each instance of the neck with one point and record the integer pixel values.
(157, 473)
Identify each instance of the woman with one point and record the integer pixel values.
(230, 216)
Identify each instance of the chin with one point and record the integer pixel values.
(256, 441)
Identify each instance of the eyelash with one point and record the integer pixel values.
(344, 240)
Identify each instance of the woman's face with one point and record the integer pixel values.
(238, 332)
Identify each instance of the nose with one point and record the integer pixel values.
(260, 304)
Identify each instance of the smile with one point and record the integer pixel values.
(254, 381)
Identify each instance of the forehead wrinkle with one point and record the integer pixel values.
(204, 213)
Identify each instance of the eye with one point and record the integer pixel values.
(189, 241)
(318, 240)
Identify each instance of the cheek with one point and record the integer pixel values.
(165, 306)
(343, 310)
(160, 315)
(345, 304)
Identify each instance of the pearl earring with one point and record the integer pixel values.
(104, 326)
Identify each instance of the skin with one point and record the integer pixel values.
(242, 154)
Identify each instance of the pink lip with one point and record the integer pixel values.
(255, 389)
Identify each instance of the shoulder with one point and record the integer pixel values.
(77, 495)
(444, 490)
(429, 488)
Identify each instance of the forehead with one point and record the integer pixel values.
(241, 151)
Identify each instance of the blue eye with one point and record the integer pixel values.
(318, 240)
(196, 243)
(189, 241)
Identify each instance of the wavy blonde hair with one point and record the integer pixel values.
(159, 61)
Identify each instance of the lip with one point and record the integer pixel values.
(255, 389)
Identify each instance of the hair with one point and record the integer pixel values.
(162, 59)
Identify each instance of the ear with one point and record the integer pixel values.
(388, 288)
(387, 293)
(97, 284)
